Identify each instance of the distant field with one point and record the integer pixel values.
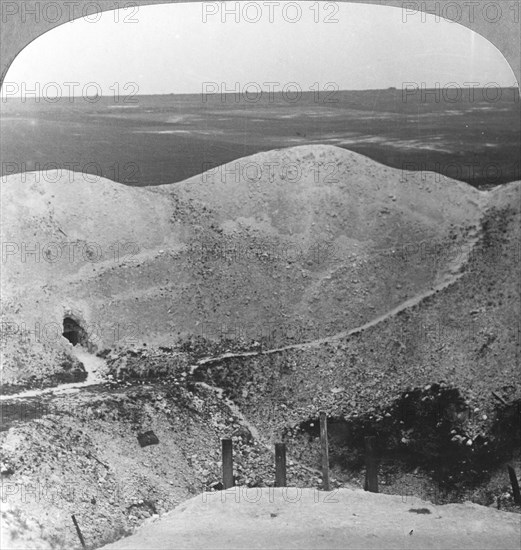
(164, 139)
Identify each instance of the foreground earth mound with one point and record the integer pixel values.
(307, 518)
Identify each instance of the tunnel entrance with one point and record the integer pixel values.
(74, 332)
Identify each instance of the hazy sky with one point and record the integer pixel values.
(169, 49)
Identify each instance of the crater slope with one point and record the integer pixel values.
(278, 248)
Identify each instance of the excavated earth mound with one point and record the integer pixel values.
(282, 247)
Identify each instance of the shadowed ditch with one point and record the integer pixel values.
(425, 428)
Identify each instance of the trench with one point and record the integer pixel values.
(425, 429)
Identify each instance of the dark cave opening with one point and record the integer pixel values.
(74, 332)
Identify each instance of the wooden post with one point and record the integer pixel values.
(371, 472)
(227, 448)
(82, 540)
(280, 465)
(515, 485)
(325, 451)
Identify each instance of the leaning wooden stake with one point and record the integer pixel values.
(82, 540)
(371, 472)
(325, 451)
(280, 465)
(515, 485)
(227, 448)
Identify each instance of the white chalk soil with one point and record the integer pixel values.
(308, 518)
(94, 367)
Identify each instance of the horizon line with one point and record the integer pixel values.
(280, 92)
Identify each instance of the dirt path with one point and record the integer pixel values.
(94, 366)
(454, 273)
